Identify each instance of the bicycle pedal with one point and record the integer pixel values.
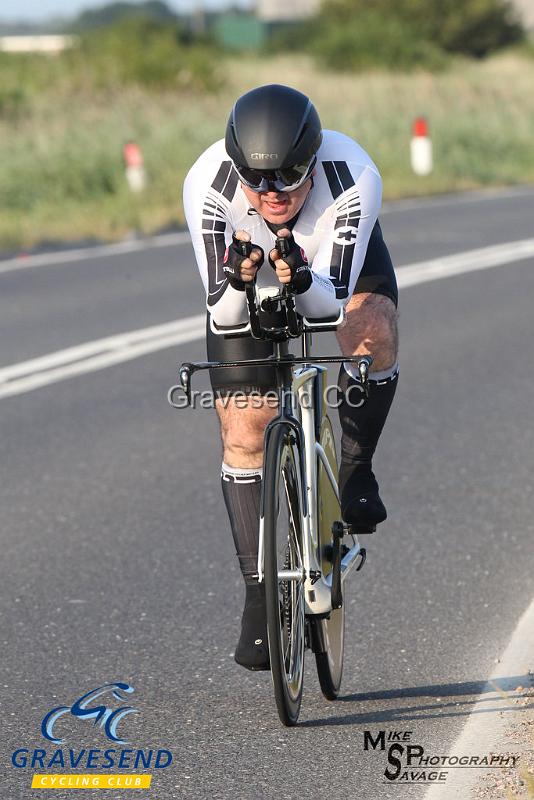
(341, 529)
(356, 529)
(338, 530)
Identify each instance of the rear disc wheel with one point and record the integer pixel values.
(329, 658)
(328, 633)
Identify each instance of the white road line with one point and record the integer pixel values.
(89, 253)
(485, 729)
(470, 261)
(121, 341)
(91, 356)
(456, 198)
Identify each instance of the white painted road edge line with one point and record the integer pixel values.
(91, 356)
(455, 198)
(182, 237)
(89, 253)
(485, 729)
(470, 261)
(31, 382)
(118, 342)
(96, 355)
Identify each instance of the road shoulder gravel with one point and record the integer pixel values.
(501, 723)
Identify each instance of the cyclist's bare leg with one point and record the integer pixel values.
(371, 328)
(243, 422)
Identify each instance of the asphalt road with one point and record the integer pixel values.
(117, 561)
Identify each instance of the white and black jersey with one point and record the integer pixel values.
(333, 226)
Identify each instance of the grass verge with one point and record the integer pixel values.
(61, 174)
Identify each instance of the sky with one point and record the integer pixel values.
(30, 10)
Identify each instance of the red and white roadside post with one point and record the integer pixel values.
(134, 166)
(421, 148)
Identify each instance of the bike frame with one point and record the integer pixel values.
(298, 408)
(301, 407)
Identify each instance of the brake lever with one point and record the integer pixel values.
(364, 364)
(186, 370)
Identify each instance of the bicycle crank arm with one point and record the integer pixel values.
(343, 559)
(335, 575)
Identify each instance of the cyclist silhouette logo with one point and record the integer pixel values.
(106, 717)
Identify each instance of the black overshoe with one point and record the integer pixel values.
(361, 505)
(252, 650)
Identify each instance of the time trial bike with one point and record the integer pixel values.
(305, 549)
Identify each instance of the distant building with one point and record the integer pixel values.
(526, 11)
(278, 10)
(240, 31)
(36, 44)
(251, 30)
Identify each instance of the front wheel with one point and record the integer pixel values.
(284, 571)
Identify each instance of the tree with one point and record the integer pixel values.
(470, 27)
(155, 10)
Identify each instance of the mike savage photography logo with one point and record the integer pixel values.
(408, 762)
(103, 709)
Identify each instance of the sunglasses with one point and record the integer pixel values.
(276, 180)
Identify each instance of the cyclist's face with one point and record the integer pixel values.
(278, 206)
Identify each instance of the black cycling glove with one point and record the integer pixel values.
(295, 258)
(234, 257)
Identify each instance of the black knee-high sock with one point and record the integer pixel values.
(242, 491)
(362, 422)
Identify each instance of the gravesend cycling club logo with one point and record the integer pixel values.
(105, 708)
(107, 718)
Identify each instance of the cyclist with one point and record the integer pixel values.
(278, 174)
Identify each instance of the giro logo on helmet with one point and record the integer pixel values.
(262, 156)
(275, 117)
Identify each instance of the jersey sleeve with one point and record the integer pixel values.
(341, 253)
(208, 192)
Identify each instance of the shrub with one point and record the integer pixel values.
(13, 103)
(23, 75)
(471, 27)
(78, 172)
(147, 53)
(369, 40)
(114, 12)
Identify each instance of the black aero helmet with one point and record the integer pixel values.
(272, 128)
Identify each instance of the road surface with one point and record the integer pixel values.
(117, 561)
